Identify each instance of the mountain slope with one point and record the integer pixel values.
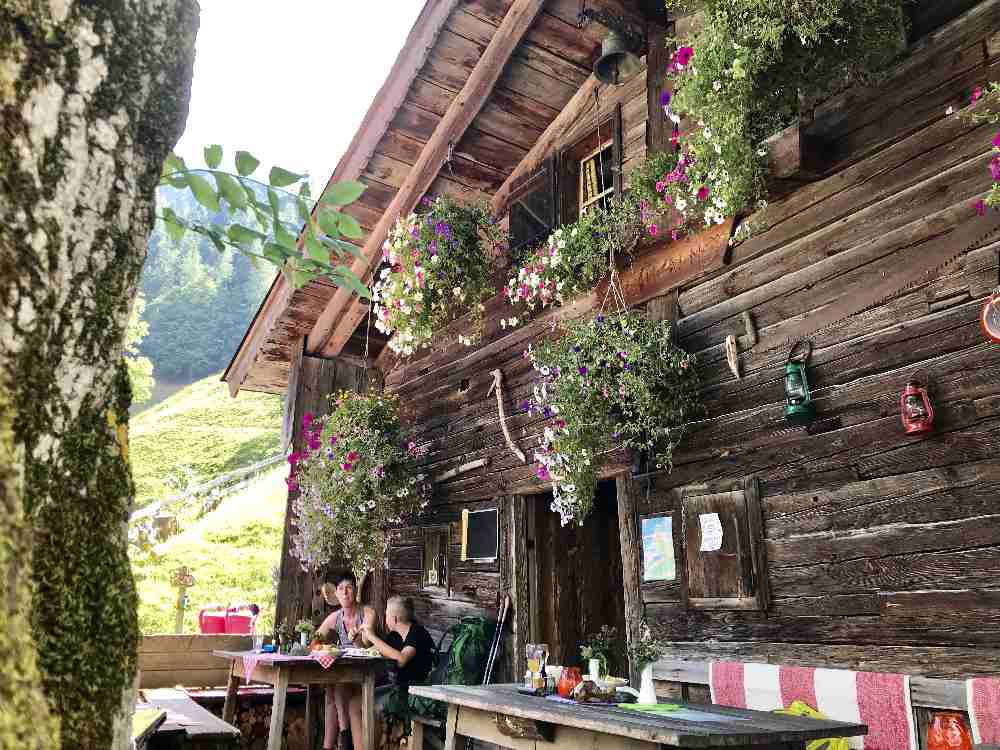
(231, 551)
(199, 433)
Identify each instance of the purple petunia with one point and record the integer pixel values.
(584, 371)
(665, 98)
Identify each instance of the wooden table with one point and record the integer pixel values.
(280, 671)
(501, 715)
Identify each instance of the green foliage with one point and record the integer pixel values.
(20, 690)
(646, 650)
(439, 270)
(202, 428)
(272, 237)
(355, 482)
(601, 646)
(622, 376)
(231, 551)
(984, 107)
(576, 256)
(467, 656)
(741, 80)
(140, 369)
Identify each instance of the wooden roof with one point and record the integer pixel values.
(488, 78)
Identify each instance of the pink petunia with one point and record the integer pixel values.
(652, 230)
(977, 94)
(660, 186)
(703, 193)
(980, 207)
(347, 466)
(995, 168)
(996, 140)
(684, 55)
(674, 234)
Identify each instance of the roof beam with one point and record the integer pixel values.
(383, 109)
(343, 313)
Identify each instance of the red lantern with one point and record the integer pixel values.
(990, 317)
(915, 408)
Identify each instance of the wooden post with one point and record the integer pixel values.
(183, 580)
(628, 531)
(232, 694)
(274, 739)
(368, 708)
(520, 617)
(658, 127)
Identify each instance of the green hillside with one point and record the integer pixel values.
(231, 552)
(199, 433)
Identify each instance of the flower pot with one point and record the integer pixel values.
(594, 666)
(647, 693)
(303, 639)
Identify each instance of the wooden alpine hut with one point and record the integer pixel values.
(845, 539)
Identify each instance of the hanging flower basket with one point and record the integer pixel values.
(355, 480)
(576, 256)
(438, 270)
(615, 381)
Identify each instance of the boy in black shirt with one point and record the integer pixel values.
(411, 647)
(408, 643)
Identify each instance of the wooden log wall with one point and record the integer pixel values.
(883, 550)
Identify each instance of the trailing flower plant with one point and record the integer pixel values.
(438, 270)
(355, 482)
(740, 80)
(984, 107)
(576, 256)
(619, 377)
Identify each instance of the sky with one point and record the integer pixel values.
(290, 80)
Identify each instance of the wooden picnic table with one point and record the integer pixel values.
(186, 724)
(501, 715)
(281, 670)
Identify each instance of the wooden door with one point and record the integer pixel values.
(575, 579)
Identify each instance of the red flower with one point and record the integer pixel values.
(703, 193)
(352, 456)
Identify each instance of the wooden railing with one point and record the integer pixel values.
(187, 660)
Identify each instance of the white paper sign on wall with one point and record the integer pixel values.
(711, 532)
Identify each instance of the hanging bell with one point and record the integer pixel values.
(616, 63)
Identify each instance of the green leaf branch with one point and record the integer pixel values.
(313, 245)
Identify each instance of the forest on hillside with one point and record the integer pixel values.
(198, 300)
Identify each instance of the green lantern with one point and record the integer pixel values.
(799, 407)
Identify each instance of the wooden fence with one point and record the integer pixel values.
(171, 660)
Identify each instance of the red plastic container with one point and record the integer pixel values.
(212, 619)
(240, 620)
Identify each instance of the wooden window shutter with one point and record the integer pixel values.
(533, 210)
(724, 560)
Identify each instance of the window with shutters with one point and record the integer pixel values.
(596, 184)
(435, 563)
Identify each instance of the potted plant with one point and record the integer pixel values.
(356, 480)
(306, 630)
(437, 269)
(642, 655)
(616, 381)
(597, 650)
(283, 636)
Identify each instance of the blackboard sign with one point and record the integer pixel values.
(479, 534)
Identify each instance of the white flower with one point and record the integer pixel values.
(717, 85)
(949, 111)
(681, 204)
(718, 148)
(457, 291)
(674, 118)
(503, 323)
(512, 322)
(435, 259)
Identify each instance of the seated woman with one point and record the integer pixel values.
(344, 627)
(409, 645)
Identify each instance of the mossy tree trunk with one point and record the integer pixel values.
(92, 98)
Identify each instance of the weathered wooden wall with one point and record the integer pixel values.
(882, 550)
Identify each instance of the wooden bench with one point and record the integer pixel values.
(417, 736)
(188, 725)
(166, 661)
(688, 680)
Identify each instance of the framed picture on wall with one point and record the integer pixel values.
(658, 560)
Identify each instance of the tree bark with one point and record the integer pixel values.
(92, 98)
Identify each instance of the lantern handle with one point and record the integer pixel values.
(804, 357)
(915, 377)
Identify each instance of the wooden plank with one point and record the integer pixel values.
(337, 321)
(274, 736)
(658, 127)
(208, 726)
(192, 678)
(631, 549)
(543, 146)
(924, 660)
(158, 644)
(519, 593)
